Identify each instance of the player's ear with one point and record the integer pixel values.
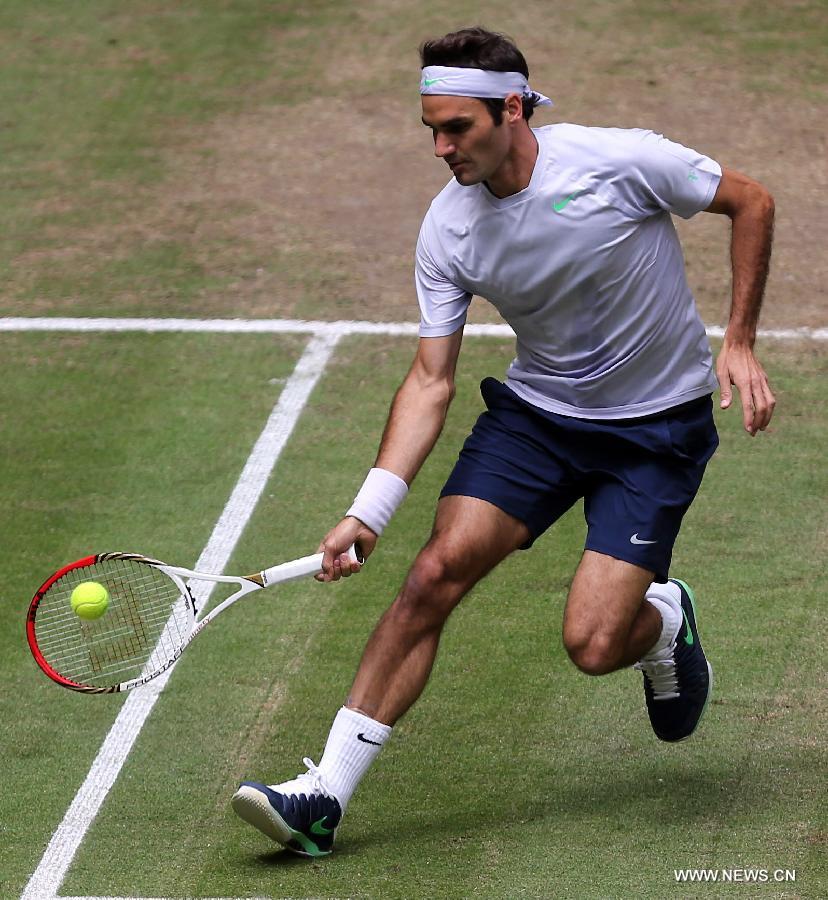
(513, 108)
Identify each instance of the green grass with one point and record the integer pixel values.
(777, 44)
(96, 97)
(108, 149)
(514, 775)
(110, 442)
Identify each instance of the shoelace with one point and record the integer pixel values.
(313, 777)
(661, 673)
(310, 783)
(313, 774)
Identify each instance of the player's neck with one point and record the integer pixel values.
(516, 171)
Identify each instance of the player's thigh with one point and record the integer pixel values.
(515, 460)
(470, 537)
(604, 599)
(646, 478)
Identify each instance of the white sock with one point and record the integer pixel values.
(353, 743)
(666, 598)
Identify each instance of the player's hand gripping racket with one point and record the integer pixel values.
(150, 617)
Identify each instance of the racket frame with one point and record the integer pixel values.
(279, 574)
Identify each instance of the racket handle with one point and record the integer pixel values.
(301, 568)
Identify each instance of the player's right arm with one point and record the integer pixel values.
(419, 409)
(415, 421)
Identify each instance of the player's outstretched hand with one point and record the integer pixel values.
(737, 365)
(336, 563)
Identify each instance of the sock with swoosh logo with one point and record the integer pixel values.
(352, 745)
(666, 598)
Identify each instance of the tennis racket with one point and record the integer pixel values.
(152, 616)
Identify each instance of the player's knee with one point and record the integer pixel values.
(430, 591)
(593, 652)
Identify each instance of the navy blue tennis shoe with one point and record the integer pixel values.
(678, 681)
(299, 814)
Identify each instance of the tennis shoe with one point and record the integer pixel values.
(678, 680)
(301, 814)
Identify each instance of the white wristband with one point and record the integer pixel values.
(378, 498)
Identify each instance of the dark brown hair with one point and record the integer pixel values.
(478, 48)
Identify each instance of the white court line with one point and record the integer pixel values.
(300, 326)
(52, 869)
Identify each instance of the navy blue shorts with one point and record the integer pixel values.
(637, 477)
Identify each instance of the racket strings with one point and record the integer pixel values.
(145, 623)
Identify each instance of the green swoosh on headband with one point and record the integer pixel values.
(427, 82)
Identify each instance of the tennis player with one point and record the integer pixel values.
(567, 230)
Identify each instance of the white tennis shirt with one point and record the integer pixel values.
(586, 266)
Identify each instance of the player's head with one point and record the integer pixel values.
(477, 48)
(476, 99)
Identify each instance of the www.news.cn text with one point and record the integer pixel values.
(737, 875)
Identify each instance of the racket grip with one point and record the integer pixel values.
(355, 554)
(301, 568)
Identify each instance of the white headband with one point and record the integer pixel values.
(461, 82)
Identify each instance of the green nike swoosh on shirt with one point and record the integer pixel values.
(560, 204)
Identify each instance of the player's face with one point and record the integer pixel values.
(466, 137)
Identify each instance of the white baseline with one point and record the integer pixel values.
(301, 326)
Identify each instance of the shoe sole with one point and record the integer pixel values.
(692, 597)
(254, 808)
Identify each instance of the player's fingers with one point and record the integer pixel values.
(747, 400)
(759, 413)
(748, 411)
(326, 575)
(347, 566)
(739, 376)
(321, 575)
(337, 562)
(329, 572)
(769, 404)
(763, 402)
(725, 390)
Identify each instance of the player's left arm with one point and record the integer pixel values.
(750, 208)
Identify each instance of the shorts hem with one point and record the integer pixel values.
(660, 572)
(534, 533)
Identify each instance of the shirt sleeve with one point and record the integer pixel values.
(443, 304)
(658, 174)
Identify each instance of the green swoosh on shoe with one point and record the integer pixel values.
(319, 828)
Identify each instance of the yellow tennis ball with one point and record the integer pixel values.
(89, 600)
